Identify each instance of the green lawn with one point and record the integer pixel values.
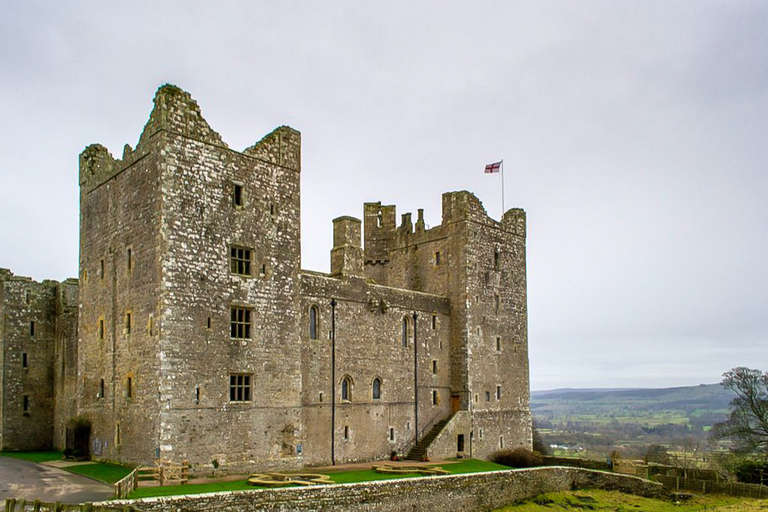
(101, 471)
(618, 502)
(41, 456)
(341, 477)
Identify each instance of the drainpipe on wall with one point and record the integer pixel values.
(415, 379)
(333, 381)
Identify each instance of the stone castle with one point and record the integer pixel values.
(193, 333)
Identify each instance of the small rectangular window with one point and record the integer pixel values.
(128, 260)
(240, 323)
(434, 322)
(496, 259)
(498, 344)
(437, 258)
(487, 396)
(208, 324)
(239, 387)
(128, 323)
(496, 302)
(240, 261)
(25, 404)
(129, 387)
(237, 195)
(101, 329)
(32, 328)
(26, 296)
(434, 367)
(101, 269)
(391, 434)
(24, 361)
(118, 437)
(498, 392)
(435, 397)
(346, 432)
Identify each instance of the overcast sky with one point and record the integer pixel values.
(634, 134)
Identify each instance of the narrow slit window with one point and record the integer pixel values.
(32, 328)
(434, 367)
(496, 258)
(313, 322)
(101, 269)
(498, 392)
(496, 302)
(101, 329)
(128, 323)
(237, 195)
(101, 389)
(129, 259)
(434, 322)
(26, 296)
(437, 258)
(435, 397)
(24, 360)
(498, 344)
(197, 394)
(25, 404)
(129, 387)
(346, 432)
(208, 323)
(391, 434)
(406, 331)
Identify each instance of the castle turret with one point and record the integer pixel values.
(346, 255)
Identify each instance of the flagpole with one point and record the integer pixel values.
(502, 188)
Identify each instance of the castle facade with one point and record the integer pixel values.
(193, 334)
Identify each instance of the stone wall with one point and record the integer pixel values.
(460, 493)
(27, 337)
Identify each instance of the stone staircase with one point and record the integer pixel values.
(418, 451)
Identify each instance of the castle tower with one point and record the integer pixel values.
(189, 257)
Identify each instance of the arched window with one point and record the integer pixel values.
(346, 388)
(406, 330)
(376, 391)
(314, 317)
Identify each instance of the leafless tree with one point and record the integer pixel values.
(747, 425)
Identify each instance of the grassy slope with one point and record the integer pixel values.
(618, 502)
(101, 471)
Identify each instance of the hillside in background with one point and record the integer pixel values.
(593, 422)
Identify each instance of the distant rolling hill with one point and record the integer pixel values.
(710, 401)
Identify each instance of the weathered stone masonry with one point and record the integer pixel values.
(200, 337)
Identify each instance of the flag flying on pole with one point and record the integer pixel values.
(494, 167)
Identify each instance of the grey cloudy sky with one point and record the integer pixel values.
(634, 134)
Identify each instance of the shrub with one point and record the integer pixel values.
(517, 458)
(752, 471)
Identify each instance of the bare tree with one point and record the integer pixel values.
(747, 424)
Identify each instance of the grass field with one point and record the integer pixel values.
(618, 502)
(42, 456)
(340, 477)
(101, 471)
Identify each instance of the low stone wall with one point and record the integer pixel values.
(465, 493)
(549, 460)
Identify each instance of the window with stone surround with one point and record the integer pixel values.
(24, 360)
(314, 321)
(239, 387)
(498, 392)
(376, 389)
(435, 397)
(240, 323)
(406, 330)
(25, 404)
(129, 259)
(240, 260)
(128, 322)
(346, 388)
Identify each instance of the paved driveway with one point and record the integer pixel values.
(22, 479)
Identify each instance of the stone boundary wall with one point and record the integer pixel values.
(550, 460)
(465, 493)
